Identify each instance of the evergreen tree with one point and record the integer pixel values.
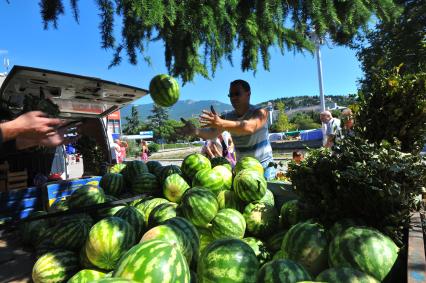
(217, 28)
(158, 121)
(282, 124)
(133, 125)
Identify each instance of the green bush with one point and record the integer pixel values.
(153, 147)
(374, 182)
(133, 149)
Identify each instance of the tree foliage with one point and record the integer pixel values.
(197, 35)
(158, 121)
(281, 124)
(305, 121)
(132, 125)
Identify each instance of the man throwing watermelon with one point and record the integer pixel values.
(246, 123)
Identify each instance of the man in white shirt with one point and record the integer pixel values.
(331, 128)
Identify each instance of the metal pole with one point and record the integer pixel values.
(320, 81)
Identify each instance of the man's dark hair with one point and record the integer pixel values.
(297, 153)
(245, 85)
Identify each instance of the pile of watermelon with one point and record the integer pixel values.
(199, 223)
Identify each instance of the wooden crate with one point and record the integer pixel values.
(17, 180)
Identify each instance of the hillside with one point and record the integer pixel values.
(183, 108)
(297, 103)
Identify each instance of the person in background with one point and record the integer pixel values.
(298, 156)
(348, 122)
(222, 146)
(123, 150)
(116, 150)
(144, 151)
(331, 128)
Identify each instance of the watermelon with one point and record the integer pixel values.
(157, 172)
(84, 261)
(278, 255)
(228, 223)
(133, 169)
(219, 160)
(194, 163)
(161, 213)
(164, 90)
(259, 248)
(153, 261)
(262, 219)
(306, 243)
(71, 234)
(145, 183)
(152, 165)
(86, 276)
(117, 168)
(45, 245)
(112, 183)
(173, 187)
(55, 266)
(228, 260)
(205, 238)
(268, 198)
(171, 235)
(147, 205)
(59, 205)
(208, 178)
(228, 199)
(226, 176)
(199, 205)
(109, 211)
(113, 280)
(364, 249)
(290, 214)
(169, 170)
(32, 231)
(108, 240)
(274, 242)
(282, 271)
(134, 217)
(343, 224)
(249, 185)
(249, 162)
(345, 275)
(85, 196)
(190, 231)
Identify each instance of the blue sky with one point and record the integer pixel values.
(75, 48)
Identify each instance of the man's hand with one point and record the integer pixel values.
(34, 125)
(188, 128)
(212, 149)
(212, 120)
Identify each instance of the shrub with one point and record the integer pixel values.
(153, 147)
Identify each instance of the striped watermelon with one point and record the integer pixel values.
(161, 213)
(112, 183)
(56, 266)
(306, 243)
(228, 223)
(134, 217)
(228, 199)
(86, 276)
(194, 163)
(113, 280)
(171, 235)
(343, 224)
(205, 238)
(32, 231)
(147, 205)
(249, 185)
(85, 196)
(157, 172)
(268, 198)
(219, 160)
(71, 234)
(133, 169)
(169, 170)
(259, 248)
(248, 162)
(110, 211)
(290, 214)
(226, 176)
(199, 206)
(145, 183)
(84, 261)
(208, 178)
(108, 240)
(152, 165)
(278, 255)
(173, 187)
(228, 260)
(282, 271)
(117, 168)
(262, 219)
(59, 205)
(274, 242)
(190, 231)
(45, 245)
(164, 90)
(364, 249)
(153, 261)
(345, 275)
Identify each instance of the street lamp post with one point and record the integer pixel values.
(318, 41)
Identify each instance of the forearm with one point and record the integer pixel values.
(9, 131)
(207, 133)
(245, 127)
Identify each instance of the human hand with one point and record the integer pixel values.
(35, 125)
(51, 139)
(211, 119)
(188, 128)
(212, 149)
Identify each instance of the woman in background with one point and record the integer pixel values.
(144, 152)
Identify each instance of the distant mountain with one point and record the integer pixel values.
(299, 103)
(182, 108)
